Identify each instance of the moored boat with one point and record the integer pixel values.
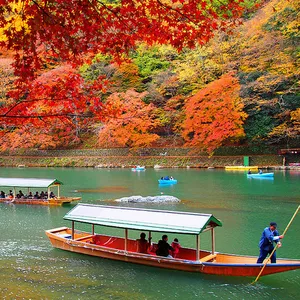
(261, 175)
(138, 168)
(125, 249)
(241, 168)
(38, 183)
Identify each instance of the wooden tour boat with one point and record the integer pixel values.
(37, 183)
(125, 249)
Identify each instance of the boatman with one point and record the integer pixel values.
(268, 237)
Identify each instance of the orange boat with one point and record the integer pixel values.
(124, 249)
(36, 183)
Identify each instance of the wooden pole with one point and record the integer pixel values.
(213, 242)
(286, 229)
(126, 239)
(73, 230)
(197, 247)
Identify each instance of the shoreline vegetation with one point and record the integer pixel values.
(127, 158)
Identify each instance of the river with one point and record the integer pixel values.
(30, 268)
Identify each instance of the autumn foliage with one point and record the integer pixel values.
(132, 124)
(214, 115)
(68, 30)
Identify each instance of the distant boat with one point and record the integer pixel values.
(241, 168)
(165, 181)
(138, 168)
(36, 183)
(261, 175)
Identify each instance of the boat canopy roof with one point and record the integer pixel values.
(142, 219)
(28, 182)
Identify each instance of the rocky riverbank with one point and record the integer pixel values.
(118, 158)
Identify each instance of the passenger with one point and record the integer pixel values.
(176, 246)
(260, 171)
(249, 171)
(171, 177)
(142, 244)
(2, 194)
(30, 196)
(167, 178)
(36, 196)
(163, 247)
(42, 195)
(52, 195)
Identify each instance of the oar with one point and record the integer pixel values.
(286, 229)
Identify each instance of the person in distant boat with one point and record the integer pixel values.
(52, 195)
(249, 171)
(143, 244)
(163, 247)
(36, 195)
(166, 178)
(176, 246)
(10, 194)
(171, 178)
(268, 237)
(260, 171)
(2, 194)
(30, 196)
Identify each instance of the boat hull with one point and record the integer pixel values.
(165, 182)
(263, 175)
(223, 264)
(51, 202)
(241, 168)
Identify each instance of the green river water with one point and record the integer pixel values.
(30, 268)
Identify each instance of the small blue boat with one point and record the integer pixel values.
(167, 181)
(138, 168)
(261, 175)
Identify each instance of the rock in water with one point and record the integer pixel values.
(149, 199)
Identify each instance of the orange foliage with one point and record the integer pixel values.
(214, 115)
(131, 124)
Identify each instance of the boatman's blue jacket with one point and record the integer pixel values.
(267, 238)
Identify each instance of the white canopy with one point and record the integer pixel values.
(28, 182)
(142, 219)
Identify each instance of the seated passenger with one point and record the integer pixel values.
(30, 196)
(42, 195)
(167, 178)
(176, 246)
(163, 248)
(260, 171)
(36, 195)
(52, 195)
(249, 171)
(142, 244)
(2, 194)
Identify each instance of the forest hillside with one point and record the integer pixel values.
(240, 88)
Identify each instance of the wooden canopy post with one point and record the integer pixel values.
(213, 242)
(48, 191)
(197, 247)
(58, 196)
(14, 193)
(126, 239)
(93, 229)
(73, 230)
